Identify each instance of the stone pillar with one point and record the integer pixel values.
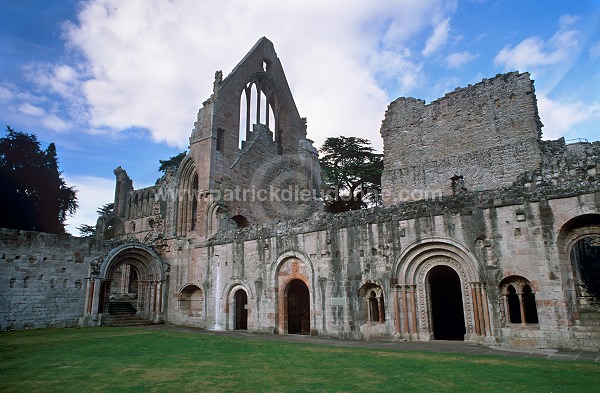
(412, 294)
(405, 327)
(476, 305)
(160, 297)
(486, 313)
(396, 311)
(522, 307)
(506, 315)
(89, 297)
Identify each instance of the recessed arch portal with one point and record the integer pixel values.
(288, 267)
(127, 268)
(415, 309)
(578, 241)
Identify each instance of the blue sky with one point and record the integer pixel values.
(116, 82)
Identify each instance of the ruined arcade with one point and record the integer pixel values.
(488, 233)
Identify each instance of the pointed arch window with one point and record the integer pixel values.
(259, 104)
(194, 207)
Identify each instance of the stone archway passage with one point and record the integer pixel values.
(298, 308)
(586, 256)
(241, 310)
(447, 313)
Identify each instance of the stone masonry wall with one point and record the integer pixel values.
(43, 278)
(487, 133)
(508, 234)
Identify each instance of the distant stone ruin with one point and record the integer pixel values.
(488, 234)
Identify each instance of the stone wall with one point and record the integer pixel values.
(43, 278)
(482, 136)
(505, 235)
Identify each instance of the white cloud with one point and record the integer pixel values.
(92, 193)
(458, 59)
(5, 94)
(438, 38)
(535, 52)
(150, 63)
(561, 117)
(31, 110)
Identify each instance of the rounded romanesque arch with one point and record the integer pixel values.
(420, 272)
(518, 300)
(291, 273)
(238, 309)
(191, 301)
(131, 273)
(578, 244)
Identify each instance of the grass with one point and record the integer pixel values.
(137, 360)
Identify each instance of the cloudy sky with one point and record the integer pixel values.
(116, 82)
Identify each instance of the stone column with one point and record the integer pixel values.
(522, 307)
(412, 294)
(476, 305)
(89, 297)
(486, 313)
(405, 327)
(396, 311)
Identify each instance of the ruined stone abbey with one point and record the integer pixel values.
(488, 233)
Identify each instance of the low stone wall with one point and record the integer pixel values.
(43, 278)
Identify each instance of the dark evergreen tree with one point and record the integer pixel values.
(87, 230)
(33, 194)
(351, 173)
(172, 162)
(106, 210)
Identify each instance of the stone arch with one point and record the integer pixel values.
(288, 267)
(518, 300)
(150, 276)
(240, 221)
(412, 270)
(187, 197)
(212, 218)
(571, 233)
(372, 303)
(274, 105)
(231, 308)
(191, 300)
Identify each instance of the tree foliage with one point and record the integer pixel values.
(33, 194)
(87, 230)
(105, 210)
(351, 172)
(172, 162)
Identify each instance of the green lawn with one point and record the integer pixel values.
(137, 360)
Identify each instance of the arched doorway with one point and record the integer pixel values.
(585, 255)
(240, 301)
(298, 308)
(445, 297)
(123, 292)
(130, 273)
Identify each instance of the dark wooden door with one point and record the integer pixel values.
(241, 310)
(298, 308)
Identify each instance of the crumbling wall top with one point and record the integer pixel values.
(485, 135)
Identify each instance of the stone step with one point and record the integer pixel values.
(121, 308)
(125, 320)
